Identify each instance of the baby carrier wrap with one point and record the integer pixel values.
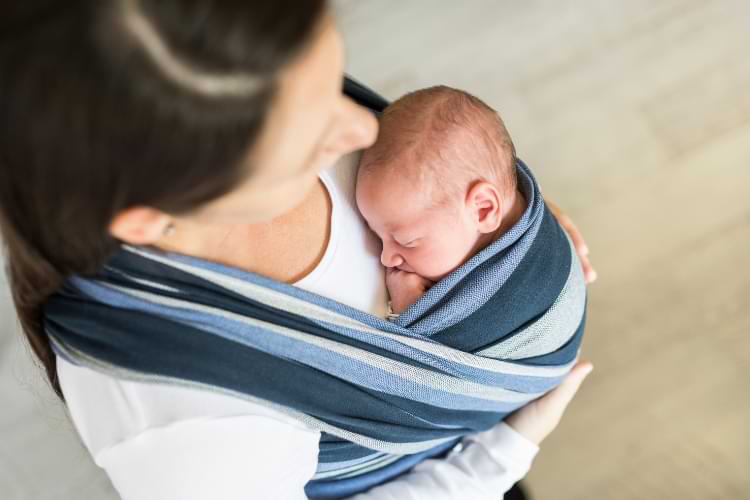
(498, 332)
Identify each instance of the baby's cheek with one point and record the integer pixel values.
(430, 260)
(447, 255)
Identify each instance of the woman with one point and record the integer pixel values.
(203, 129)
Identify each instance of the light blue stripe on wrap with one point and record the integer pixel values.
(342, 470)
(370, 466)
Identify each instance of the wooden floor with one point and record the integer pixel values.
(636, 118)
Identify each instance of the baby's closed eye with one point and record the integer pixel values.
(411, 243)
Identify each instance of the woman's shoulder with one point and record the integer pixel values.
(109, 411)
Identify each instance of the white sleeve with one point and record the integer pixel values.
(256, 457)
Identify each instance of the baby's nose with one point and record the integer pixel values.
(390, 259)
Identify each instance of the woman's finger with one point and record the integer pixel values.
(581, 247)
(572, 230)
(582, 250)
(579, 243)
(588, 270)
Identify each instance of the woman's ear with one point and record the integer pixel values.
(139, 225)
(486, 206)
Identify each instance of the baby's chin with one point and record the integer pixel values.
(436, 277)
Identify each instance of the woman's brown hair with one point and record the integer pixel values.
(106, 105)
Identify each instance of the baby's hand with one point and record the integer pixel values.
(404, 288)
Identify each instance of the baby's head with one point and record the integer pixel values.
(440, 181)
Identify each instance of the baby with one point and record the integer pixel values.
(438, 186)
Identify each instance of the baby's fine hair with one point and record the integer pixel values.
(447, 137)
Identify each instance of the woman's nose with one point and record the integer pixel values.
(390, 258)
(358, 128)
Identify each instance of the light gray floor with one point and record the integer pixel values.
(636, 117)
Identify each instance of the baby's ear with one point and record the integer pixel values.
(485, 205)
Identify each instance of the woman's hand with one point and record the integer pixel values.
(538, 419)
(581, 248)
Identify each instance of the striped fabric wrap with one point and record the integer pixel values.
(498, 332)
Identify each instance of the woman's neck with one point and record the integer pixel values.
(285, 249)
